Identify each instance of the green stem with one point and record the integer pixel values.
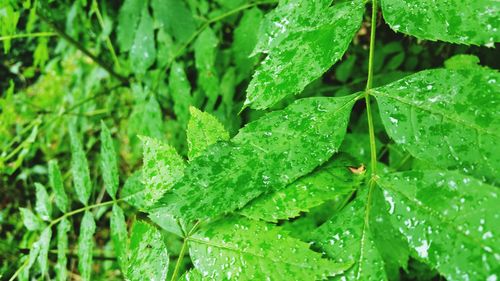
(179, 259)
(111, 49)
(18, 271)
(369, 83)
(86, 208)
(27, 35)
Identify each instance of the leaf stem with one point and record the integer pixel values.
(111, 49)
(369, 83)
(179, 259)
(27, 35)
(86, 208)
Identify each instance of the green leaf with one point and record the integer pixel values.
(266, 155)
(245, 39)
(191, 275)
(56, 182)
(119, 236)
(326, 183)
(449, 220)
(148, 256)
(250, 250)
(175, 17)
(348, 237)
(62, 247)
(456, 21)
(143, 51)
(30, 220)
(462, 61)
(86, 245)
(44, 249)
(203, 130)
(108, 162)
(34, 251)
(43, 205)
(128, 20)
(133, 191)
(205, 48)
(180, 90)
(79, 167)
(162, 168)
(302, 41)
(146, 119)
(446, 117)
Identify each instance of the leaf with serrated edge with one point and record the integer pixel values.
(326, 183)
(203, 130)
(148, 256)
(302, 40)
(43, 205)
(250, 250)
(56, 182)
(119, 235)
(143, 51)
(456, 21)
(86, 245)
(30, 220)
(62, 247)
(109, 167)
(79, 167)
(449, 220)
(44, 249)
(446, 117)
(265, 156)
(347, 237)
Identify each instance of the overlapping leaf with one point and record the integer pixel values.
(203, 130)
(43, 205)
(302, 40)
(457, 21)
(448, 219)
(240, 249)
(266, 155)
(446, 117)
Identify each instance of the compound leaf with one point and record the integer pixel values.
(43, 206)
(266, 155)
(56, 182)
(456, 21)
(148, 256)
(250, 250)
(79, 167)
(108, 162)
(348, 237)
(86, 245)
(446, 117)
(327, 183)
(302, 40)
(449, 220)
(203, 130)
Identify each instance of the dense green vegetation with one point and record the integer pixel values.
(249, 140)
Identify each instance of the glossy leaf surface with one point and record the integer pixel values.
(248, 250)
(457, 21)
(143, 50)
(302, 40)
(449, 221)
(266, 155)
(203, 130)
(447, 117)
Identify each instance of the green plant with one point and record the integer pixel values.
(238, 205)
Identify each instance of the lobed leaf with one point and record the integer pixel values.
(86, 245)
(203, 130)
(265, 156)
(250, 250)
(43, 205)
(456, 21)
(56, 182)
(79, 167)
(302, 40)
(446, 117)
(109, 165)
(448, 219)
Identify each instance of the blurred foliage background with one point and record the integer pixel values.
(139, 72)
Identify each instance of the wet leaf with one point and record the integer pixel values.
(44, 249)
(79, 167)
(331, 181)
(249, 250)
(302, 40)
(62, 247)
(448, 219)
(205, 50)
(148, 256)
(109, 165)
(43, 205)
(128, 20)
(175, 17)
(203, 130)
(446, 117)
(30, 220)
(180, 90)
(143, 51)
(265, 156)
(86, 245)
(455, 21)
(119, 235)
(348, 237)
(56, 182)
